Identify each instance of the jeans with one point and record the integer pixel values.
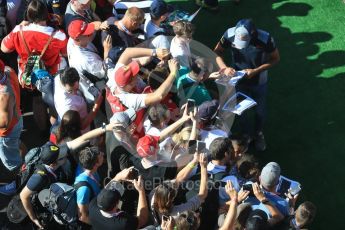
(258, 94)
(9, 147)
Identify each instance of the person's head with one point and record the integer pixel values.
(157, 77)
(109, 197)
(81, 32)
(70, 126)
(91, 158)
(247, 167)
(257, 220)
(159, 115)
(133, 18)
(207, 113)
(245, 31)
(164, 196)
(181, 138)
(201, 69)
(269, 177)
(37, 12)
(123, 121)
(187, 220)
(126, 76)
(184, 30)
(221, 150)
(52, 156)
(147, 148)
(239, 144)
(81, 5)
(160, 10)
(70, 80)
(305, 214)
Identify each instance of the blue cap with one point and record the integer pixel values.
(160, 7)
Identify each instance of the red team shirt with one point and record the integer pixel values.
(36, 37)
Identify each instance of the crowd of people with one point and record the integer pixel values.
(134, 122)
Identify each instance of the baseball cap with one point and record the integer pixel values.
(147, 146)
(108, 198)
(243, 33)
(125, 73)
(124, 118)
(208, 110)
(79, 27)
(257, 220)
(160, 7)
(51, 153)
(270, 175)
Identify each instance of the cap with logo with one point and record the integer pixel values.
(80, 28)
(126, 73)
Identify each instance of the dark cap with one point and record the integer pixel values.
(107, 199)
(257, 220)
(50, 153)
(208, 110)
(160, 7)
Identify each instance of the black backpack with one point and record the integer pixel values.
(60, 200)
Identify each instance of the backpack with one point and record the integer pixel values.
(61, 201)
(34, 66)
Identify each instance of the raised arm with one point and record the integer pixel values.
(203, 182)
(130, 53)
(142, 210)
(230, 219)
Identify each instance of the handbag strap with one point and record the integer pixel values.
(44, 48)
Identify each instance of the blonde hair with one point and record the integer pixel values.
(183, 136)
(135, 14)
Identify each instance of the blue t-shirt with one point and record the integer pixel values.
(84, 194)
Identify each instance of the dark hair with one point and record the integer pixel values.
(157, 77)
(219, 147)
(157, 114)
(184, 28)
(248, 167)
(69, 76)
(164, 198)
(187, 221)
(305, 213)
(88, 157)
(199, 64)
(37, 11)
(70, 126)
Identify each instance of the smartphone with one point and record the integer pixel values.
(190, 105)
(192, 146)
(165, 218)
(134, 174)
(200, 146)
(248, 187)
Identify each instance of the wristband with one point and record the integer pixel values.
(191, 165)
(104, 127)
(154, 53)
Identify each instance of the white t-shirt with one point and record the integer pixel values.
(181, 51)
(209, 135)
(159, 41)
(85, 59)
(66, 101)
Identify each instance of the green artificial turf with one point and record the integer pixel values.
(305, 121)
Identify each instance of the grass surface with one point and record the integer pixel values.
(305, 124)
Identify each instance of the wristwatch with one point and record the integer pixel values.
(154, 53)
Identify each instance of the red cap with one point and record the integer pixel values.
(147, 146)
(124, 74)
(79, 27)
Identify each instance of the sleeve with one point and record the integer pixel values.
(83, 195)
(8, 41)
(271, 45)
(135, 101)
(36, 183)
(191, 205)
(160, 41)
(95, 67)
(132, 223)
(224, 40)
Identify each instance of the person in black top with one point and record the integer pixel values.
(253, 51)
(104, 211)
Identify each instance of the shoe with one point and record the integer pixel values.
(260, 143)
